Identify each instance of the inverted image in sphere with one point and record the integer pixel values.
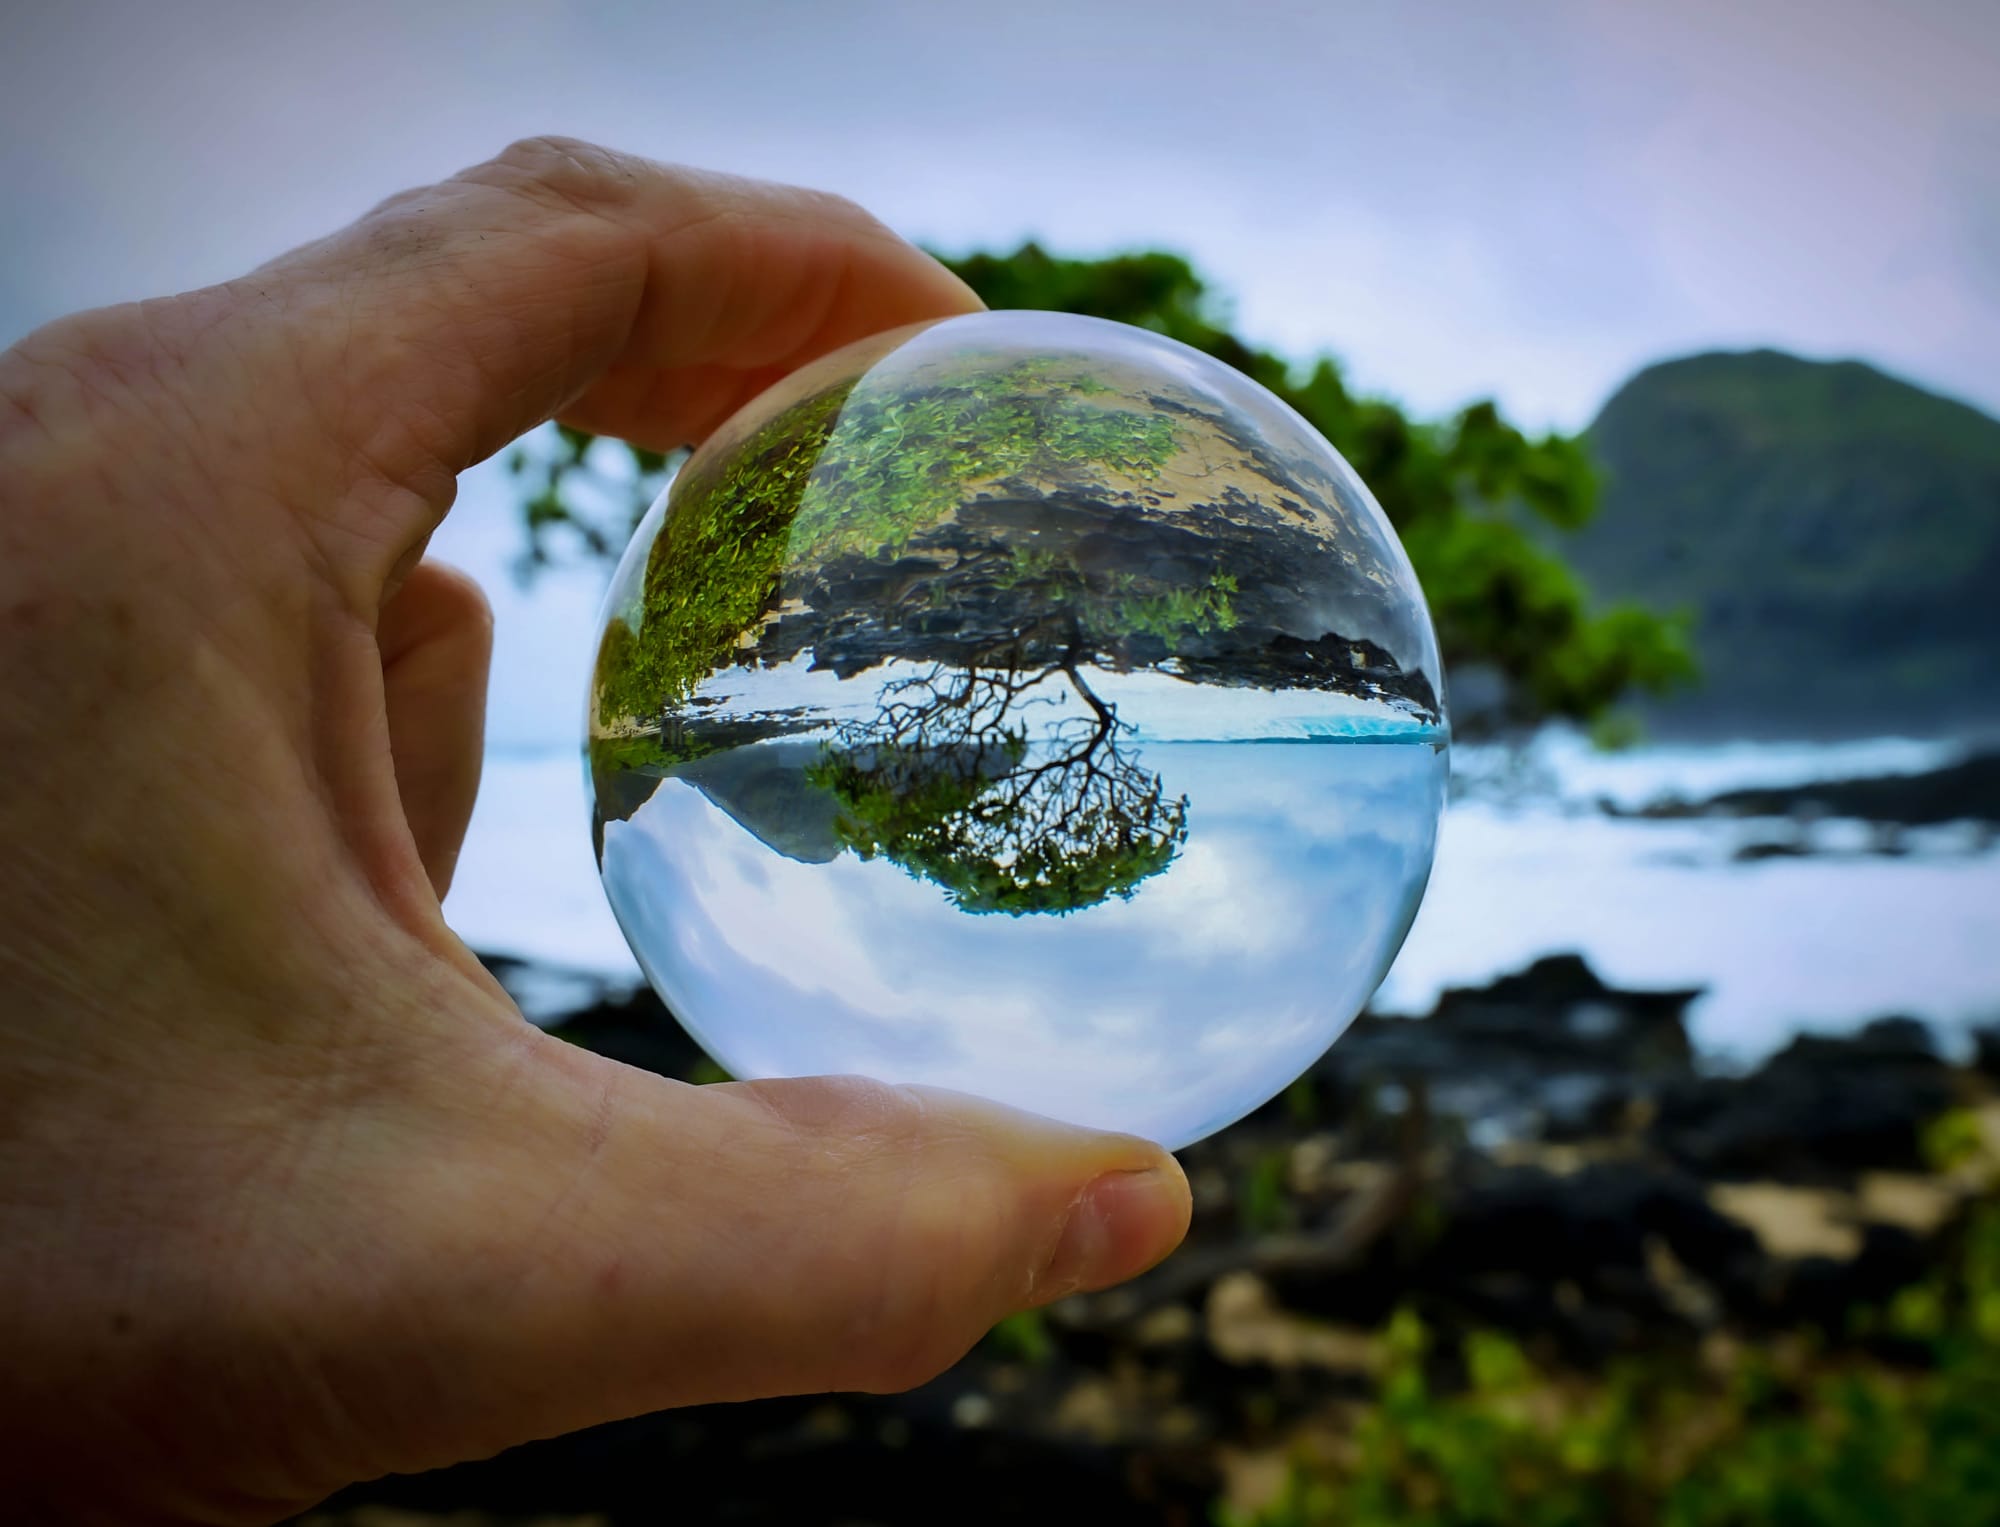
(1024, 704)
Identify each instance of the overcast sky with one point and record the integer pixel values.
(1520, 199)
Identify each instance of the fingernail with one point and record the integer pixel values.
(1122, 1224)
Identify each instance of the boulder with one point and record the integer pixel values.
(1986, 1052)
(1550, 1051)
(1813, 1114)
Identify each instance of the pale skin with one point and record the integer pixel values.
(290, 1194)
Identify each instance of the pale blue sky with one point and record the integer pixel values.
(1527, 198)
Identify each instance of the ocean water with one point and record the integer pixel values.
(1559, 766)
(1781, 946)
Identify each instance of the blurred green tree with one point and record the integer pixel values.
(1474, 498)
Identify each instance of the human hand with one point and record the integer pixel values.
(290, 1195)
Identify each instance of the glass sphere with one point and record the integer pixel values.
(1024, 704)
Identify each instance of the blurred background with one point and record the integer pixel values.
(1659, 1184)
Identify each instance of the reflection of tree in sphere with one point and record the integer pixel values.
(944, 783)
(960, 605)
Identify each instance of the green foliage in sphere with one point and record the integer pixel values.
(850, 471)
(898, 463)
(716, 565)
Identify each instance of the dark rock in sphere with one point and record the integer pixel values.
(956, 595)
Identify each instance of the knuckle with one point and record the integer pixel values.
(832, 207)
(562, 169)
(478, 608)
(540, 151)
(467, 600)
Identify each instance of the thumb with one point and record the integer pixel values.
(645, 1244)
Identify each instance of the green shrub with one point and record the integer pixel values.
(1819, 1440)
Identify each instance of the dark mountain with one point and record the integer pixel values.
(1835, 531)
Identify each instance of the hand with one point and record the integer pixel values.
(290, 1194)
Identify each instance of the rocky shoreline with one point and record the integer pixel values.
(1544, 1156)
(1896, 812)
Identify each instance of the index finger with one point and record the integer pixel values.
(638, 299)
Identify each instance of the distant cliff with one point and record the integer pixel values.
(1835, 530)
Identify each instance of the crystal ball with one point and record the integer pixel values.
(1023, 704)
